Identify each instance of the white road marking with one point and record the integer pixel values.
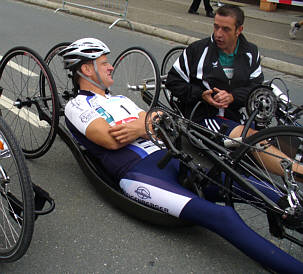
(21, 69)
(22, 113)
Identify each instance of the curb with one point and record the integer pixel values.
(267, 62)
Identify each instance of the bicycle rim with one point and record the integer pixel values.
(170, 58)
(168, 61)
(136, 76)
(61, 76)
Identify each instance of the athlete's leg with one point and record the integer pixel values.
(272, 163)
(224, 221)
(234, 130)
(160, 189)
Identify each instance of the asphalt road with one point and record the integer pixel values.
(86, 234)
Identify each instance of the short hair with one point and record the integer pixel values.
(233, 11)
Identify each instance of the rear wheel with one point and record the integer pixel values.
(29, 101)
(168, 61)
(16, 199)
(61, 76)
(170, 58)
(136, 76)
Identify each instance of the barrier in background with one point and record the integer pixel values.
(113, 7)
(288, 2)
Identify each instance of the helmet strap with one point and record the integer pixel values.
(98, 75)
(100, 84)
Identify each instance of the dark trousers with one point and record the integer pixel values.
(196, 3)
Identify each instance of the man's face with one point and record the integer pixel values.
(225, 33)
(105, 70)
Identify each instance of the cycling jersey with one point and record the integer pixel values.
(88, 106)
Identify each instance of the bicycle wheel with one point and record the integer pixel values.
(136, 76)
(16, 199)
(283, 230)
(170, 58)
(30, 107)
(168, 61)
(61, 76)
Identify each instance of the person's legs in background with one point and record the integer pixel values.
(194, 7)
(208, 9)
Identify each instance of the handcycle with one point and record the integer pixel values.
(280, 217)
(35, 97)
(242, 178)
(234, 163)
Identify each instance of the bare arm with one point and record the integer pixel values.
(129, 132)
(115, 137)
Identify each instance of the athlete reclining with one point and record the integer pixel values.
(112, 128)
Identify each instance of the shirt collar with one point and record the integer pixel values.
(231, 54)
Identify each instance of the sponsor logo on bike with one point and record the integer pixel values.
(155, 206)
(143, 193)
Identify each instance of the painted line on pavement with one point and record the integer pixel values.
(21, 69)
(25, 114)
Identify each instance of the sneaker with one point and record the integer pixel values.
(293, 29)
(210, 14)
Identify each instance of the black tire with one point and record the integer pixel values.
(136, 76)
(255, 213)
(27, 105)
(61, 76)
(16, 199)
(169, 59)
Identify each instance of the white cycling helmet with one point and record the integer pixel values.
(81, 51)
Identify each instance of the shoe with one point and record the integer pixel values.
(193, 12)
(210, 14)
(294, 27)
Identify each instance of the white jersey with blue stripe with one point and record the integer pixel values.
(87, 107)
